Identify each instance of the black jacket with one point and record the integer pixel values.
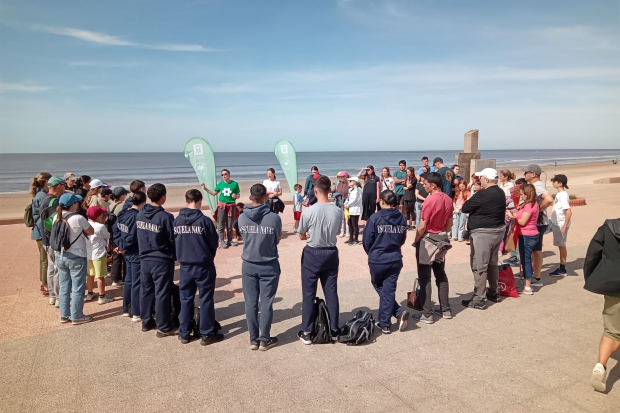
(195, 237)
(602, 264)
(155, 234)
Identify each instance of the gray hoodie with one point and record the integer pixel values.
(261, 230)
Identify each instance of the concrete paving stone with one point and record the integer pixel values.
(543, 403)
(582, 395)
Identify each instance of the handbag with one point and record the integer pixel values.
(413, 298)
(512, 239)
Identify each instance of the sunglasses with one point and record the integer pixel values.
(225, 174)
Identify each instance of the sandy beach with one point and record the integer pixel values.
(580, 178)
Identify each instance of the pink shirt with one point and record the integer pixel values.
(529, 228)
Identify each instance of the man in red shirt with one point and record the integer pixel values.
(431, 244)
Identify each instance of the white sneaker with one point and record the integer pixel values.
(89, 297)
(598, 377)
(116, 284)
(136, 318)
(125, 314)
(527, 291)
(52, 301)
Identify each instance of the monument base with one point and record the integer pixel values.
(464, 159)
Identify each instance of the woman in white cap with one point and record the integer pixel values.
(354, 205)
(93, 197)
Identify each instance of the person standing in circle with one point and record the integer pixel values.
(38, 191)
(353, 205)
(274, 191)
(370, 194)
(226, 209)
(400, 178)
(387, 181)
(409, 198)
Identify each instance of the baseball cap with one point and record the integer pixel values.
(95, 212)
(54, 180)
(532, 168)
(96, 183)
(67, 199)
(353, 178)
(488, 173)
(562, 179)
(106, 191)
(119, 191)
(343, 173)
(69, 176)
(437, 159)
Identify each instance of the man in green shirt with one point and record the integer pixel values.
(400, 177)
(226, 209)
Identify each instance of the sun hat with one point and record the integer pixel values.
(561, 179)
(488, 173)
(69, 176)
(67, 199)
(353, 178)
(119, 191)
(532, 168)
(97, 183)
(95, 212)
(54, 180)
(342, 173)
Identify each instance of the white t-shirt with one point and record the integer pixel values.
(298, 200)
(272, 186)
(77, 224)
(506, 187)
(387, 183)
(541, 188)
(96, 245)
(560, 205)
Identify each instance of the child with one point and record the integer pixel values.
(157, 256)
(97, 254)
(560, 221)
(196, 243)
(297, 198)
(236, 233)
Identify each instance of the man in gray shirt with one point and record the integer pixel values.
(319, 225)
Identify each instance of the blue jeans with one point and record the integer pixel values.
(526, 247)
(384, 278)
(260, 280)
(459, 225)
(418, 212)
(71, 278)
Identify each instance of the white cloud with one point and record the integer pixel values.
(579, 37)
(226, 88)
(183, 48)
(22, 87)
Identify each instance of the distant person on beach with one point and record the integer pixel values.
(409, 198)
(384, 236)
(506, 181)
(560, 221)
(387, 181)
(486, 226)
(97, 254)
(47, 213)
(425, 164)
(261, 230)
(70, 180)
(135, 187)
(400, 177)
(297, 201)
(353, 207)
(155, 231)
(370, 194)
(118, 271)
(459, 217)
(342, 187)
(309, 181)
(38, 192)
(420, 195)
(456, 169)
(432, 244)
(226, 209)
(447, 175)
(126, 238)
(72, 262)
(600, 270)
(319, 227)
(274, 191)
(196, 242)
(544, 199)
(311, 199)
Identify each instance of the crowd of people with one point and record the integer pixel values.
(494, 213)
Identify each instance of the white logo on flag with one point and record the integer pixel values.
(198, 149)
(201, 168)
(284, 148)
(286, 164)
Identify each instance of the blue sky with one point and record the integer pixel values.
(147, 75)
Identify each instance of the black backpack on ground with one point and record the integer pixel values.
(175, 305)
(322, 328)
(358, 330)
(60, 235)
(195, 324)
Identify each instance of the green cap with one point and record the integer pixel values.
(54, 180)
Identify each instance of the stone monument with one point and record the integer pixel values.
(469, 160)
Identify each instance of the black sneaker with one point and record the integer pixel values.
(266, 345)
(149, 325)
(254, 344)
(471, 304)
(162, 334)
(386, 330)
(495, 298)
(305, 338)
(559, 272)
(184, 340)
(214, 338)
(512, 261)
(335, 334)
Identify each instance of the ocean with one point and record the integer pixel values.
(16, 170)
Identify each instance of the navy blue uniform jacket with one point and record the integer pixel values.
(156, 234)
(195, 237)
(124, 231)
(384, 235)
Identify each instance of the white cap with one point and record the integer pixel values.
(96, 183)
(353, 178)
(488, 173)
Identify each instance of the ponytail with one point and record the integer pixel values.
(39, 182)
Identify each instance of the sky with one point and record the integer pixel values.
(345, 75)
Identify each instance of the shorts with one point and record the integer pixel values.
(297, 215)
(541, 231)
(399, 197)
(611, 317)
(98, 268)
(559, 239)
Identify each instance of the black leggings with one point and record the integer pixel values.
(354, 229)
(409, 210)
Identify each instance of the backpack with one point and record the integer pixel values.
(28, 219)
(60, 236)
(195, 324)
(322, 328)
(358, 330)
(48, 215)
